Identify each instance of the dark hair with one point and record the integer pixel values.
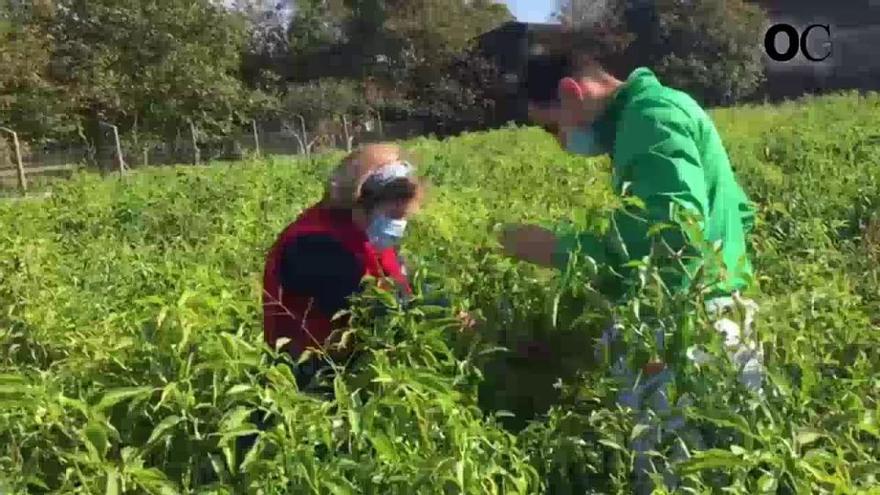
(608, 43)
(400, 189)
(542, 76)
(603, 46)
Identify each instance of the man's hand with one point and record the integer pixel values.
(529, 243)
(468, 321)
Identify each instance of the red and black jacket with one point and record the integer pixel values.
(315, 264)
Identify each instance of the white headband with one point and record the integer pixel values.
(379, 177)
(387, 173)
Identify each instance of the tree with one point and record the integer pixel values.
(153, 66)
(323, 98)
(325, 108)
(29, 100)
(266, 51)
(409, 48)
(611, 13)
(709, 48)
(267, 24)
(462, 97)
(316, 24)
(431, 61)
(436, 31)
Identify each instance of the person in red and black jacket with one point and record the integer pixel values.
(319, 260)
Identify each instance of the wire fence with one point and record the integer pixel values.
(23, 163)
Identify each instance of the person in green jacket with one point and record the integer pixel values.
(665, 151)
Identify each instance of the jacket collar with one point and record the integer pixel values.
(638, 81)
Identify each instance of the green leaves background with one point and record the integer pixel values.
(132, 355)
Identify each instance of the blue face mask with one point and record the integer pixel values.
(385, 232)
(583, 141)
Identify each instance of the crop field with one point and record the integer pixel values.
(132, 355)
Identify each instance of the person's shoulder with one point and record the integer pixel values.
(319, 255)
(316, 245)
(655, 116)
(661, 115)
(662, 105)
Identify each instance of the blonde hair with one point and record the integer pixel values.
(345, 188)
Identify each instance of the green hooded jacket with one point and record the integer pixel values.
(666, 151)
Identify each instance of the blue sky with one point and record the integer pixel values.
(531, 10)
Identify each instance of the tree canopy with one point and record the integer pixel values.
(155, 67)
(710, 48)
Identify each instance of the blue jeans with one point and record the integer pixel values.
(648, 396)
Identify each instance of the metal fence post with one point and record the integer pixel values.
(256, 136)
(120, 161)
(22, 181)
(197, 153)
(349, 139)
(378, 116)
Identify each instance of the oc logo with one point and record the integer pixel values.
(796, 42)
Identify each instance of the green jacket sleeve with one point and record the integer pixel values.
(656, 160)
(584, 243)
(747, 212)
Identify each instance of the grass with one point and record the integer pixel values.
(132, 354)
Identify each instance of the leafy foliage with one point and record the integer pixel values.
(152, 68)
(120, 67)
(316, 24)
(710, 48)
(463, 95)
(148, 68)
(132, 357)
(322, 99)
(28, 96)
